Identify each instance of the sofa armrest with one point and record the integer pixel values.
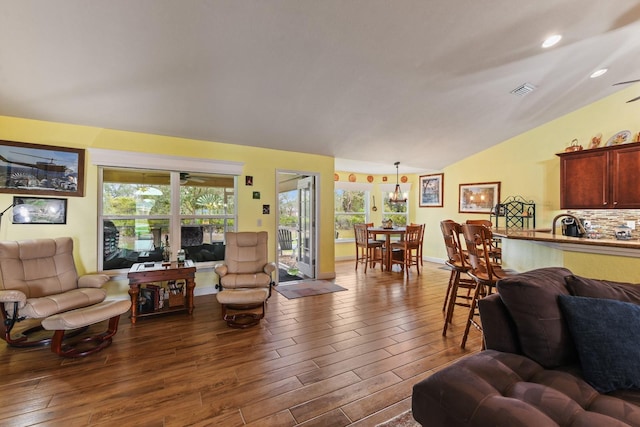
(92, 280)
(13, 296)
(270, 268)
(221, 269)
(498, 327)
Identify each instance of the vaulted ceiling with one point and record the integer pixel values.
(370, 82)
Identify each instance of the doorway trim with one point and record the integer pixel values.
(315, 213)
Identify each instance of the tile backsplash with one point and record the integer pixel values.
(605, 221)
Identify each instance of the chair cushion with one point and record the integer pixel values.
(492, 388)
(255, 280)
(38, 267)
(86, 316)
(246, 252)
(595, 288)
(606, 333)
(242, 296)
(38, 308)
(531, 299)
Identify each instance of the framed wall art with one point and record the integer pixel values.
(41, 169)
(479, 198)
(431, 190)
(39, 210)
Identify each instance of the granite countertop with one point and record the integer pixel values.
(545, 235)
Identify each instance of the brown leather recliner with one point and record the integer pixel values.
(38, 279)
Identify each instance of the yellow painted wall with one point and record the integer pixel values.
(526, 165)
(82, 211)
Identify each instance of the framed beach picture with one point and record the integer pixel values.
(479, 198)
(431, 190)
(39, 210)
(41, 169)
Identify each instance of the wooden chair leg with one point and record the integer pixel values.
(472, 310)
(452, 277)
(452, 300)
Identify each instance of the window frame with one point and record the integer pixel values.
(349, 186)
(125, 159)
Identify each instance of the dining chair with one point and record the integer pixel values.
(368, 251)
(421, 242)
(409, 247)
(495, 251)
(483, 271)
(460, 288)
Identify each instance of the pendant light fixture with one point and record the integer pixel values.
(397, 196)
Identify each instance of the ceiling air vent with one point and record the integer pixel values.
(524, 89)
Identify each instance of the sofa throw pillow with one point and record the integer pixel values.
(606, 334)
(595, 288)
(532, 301)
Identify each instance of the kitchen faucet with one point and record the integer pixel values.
(581, 229)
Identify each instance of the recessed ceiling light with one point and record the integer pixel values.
(598, 73)
(551, 41)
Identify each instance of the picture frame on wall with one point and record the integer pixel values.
(39, 210)
(479, 197)
(41, 169)
(431, 190)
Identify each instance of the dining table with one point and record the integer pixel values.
(387, 232)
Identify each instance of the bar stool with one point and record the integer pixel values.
(495, 251)
(460, 288)
(484, 272)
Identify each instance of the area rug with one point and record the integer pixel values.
(403, 420)
(307, 288)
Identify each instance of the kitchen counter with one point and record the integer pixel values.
(544, 235)
(607, 258)
(606, 246)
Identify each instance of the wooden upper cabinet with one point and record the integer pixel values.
(625, 177)
(601, 178)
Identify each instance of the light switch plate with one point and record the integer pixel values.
(631, 225)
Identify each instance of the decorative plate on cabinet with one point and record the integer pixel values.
(384, 179)
(352, 178)
(336, 177)
(370, 178)
(621, 137)
(403, 179)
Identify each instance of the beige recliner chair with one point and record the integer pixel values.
(38, 280)
(245, 278)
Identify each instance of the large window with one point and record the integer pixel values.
(397, 212)
(145, 211)
(351, 207)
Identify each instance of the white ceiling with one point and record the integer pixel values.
(370, 82)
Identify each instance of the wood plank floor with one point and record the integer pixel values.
(348, 358)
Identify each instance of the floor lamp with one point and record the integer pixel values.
(6, 209)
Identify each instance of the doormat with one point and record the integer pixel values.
(283, 276)
(308, 288)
